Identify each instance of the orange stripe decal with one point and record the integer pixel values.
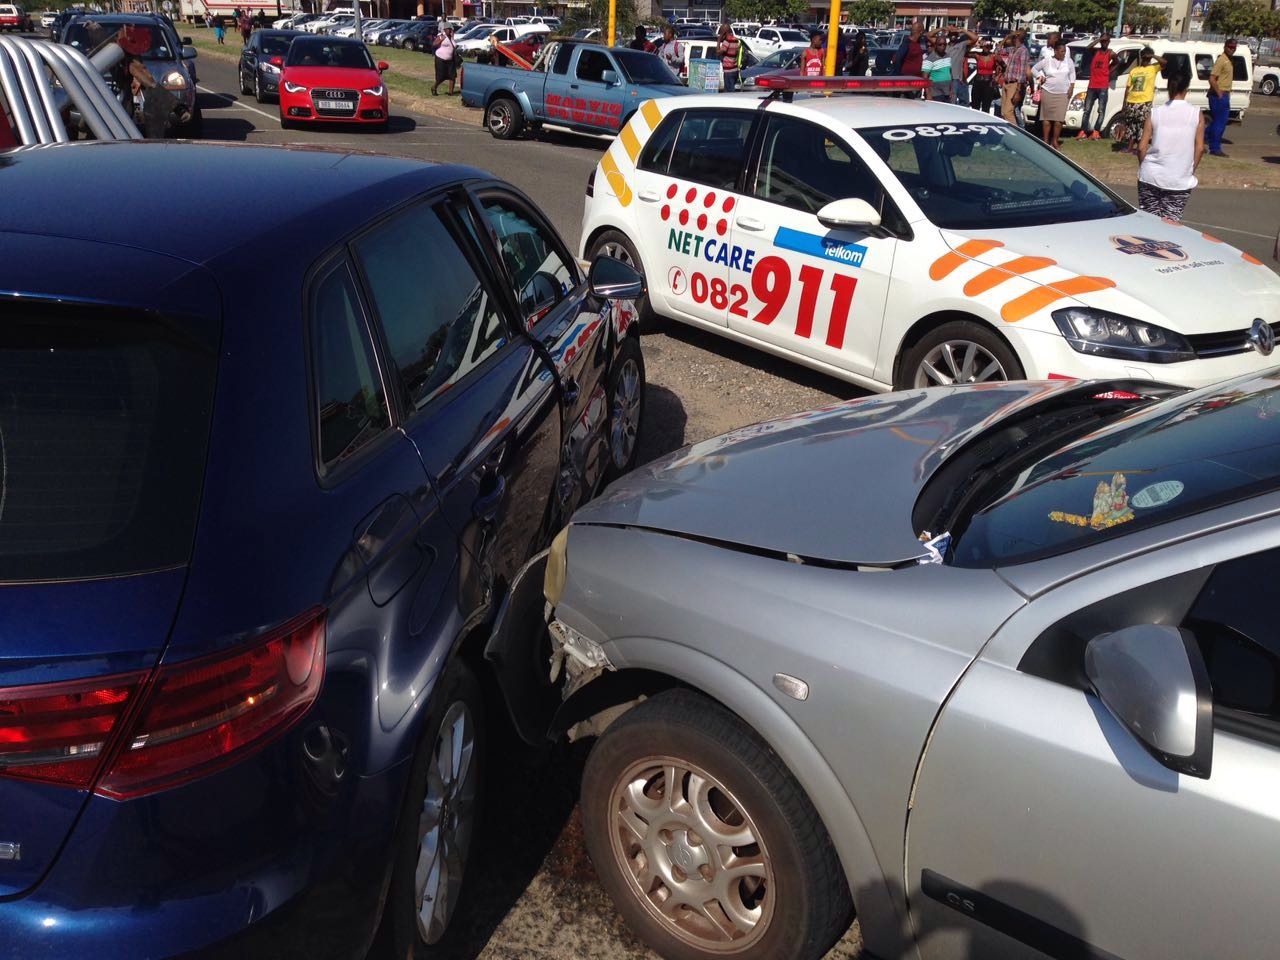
(1250, 258)
(948, 262)
(995, 276)
(617, 182)
(630, 142)
(1210, 237)
(1019, 308)
(652, 115)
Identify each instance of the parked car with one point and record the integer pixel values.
(250, 565)
(262, 60)
(47, 19)
(482, 40)
(955, 279)
(332, 80)
(1029, 653)
(416, 35)
(1268, 79)
(786, 59)
(1196, 56)
(382, 36)
(13, 18)
(769, 40)
(585, 87)
(170, 60)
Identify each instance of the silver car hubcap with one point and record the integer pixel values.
(626, 413)
(618, 252)
(446, 821)
(692, 854)
(958, 361)
(499, 119)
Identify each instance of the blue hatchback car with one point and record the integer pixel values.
(264, 484)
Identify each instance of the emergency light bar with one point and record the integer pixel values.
(791, 82)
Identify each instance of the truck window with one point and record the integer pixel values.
(592, 64)
(561, 63)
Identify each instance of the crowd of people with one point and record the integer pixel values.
(243, 20)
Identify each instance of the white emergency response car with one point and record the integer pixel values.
(895, 242)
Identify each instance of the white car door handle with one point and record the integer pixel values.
(648, 196)
(746, 223)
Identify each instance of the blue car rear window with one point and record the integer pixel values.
(104, 423)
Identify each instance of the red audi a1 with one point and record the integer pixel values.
(332, 80)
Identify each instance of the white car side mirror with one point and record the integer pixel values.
(851, 212)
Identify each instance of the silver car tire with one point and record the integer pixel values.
(439, 817)
(957, 352)
(732, 863)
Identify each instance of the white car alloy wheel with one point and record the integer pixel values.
(958, 361)
(446, 822)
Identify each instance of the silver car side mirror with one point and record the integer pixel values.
(612, 279)
(1152, 679)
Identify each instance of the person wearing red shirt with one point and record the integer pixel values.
(812, 61)
(1099, 87)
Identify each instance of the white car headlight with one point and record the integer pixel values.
(268, 67)
(174, 80)
(377, 91)
(1106, 334)
(294, 87)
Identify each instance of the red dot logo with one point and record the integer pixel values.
(728, 204)
(684, 217)
(709, 201)
(721, 227)
(702, 221)
(666, 211)
(691, 195)
(671, 192)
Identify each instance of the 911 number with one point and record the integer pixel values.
(771, 285)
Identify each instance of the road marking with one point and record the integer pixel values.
(236, 103)
(1214, 226)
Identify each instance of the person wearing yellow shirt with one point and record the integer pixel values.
(1220, 98)
(1139, 93)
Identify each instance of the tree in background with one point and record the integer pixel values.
(761, 10)
(1001, 11)
(596, 14)
(1082, 16)
(1242, 18)
(866, 12)
(1146, 18)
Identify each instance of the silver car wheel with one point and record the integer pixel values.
(446, 822)
(693, 855)
(958, 361)
(618, 252)
(625, 414)
(500, 118)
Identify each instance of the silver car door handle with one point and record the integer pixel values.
(747, 223)
(648, 196)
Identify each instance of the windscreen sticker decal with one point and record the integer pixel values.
(851, 254)
(1158, 494)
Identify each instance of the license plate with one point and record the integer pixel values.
(334, 105)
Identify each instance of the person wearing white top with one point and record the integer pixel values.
(1057, 77)
(1170, 150)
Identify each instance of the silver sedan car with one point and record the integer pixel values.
(993, 668)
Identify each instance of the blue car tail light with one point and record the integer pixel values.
(148, 733)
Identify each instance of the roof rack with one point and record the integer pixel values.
(785, 84)
(40, 80)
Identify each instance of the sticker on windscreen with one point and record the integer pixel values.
(1158, 494)
(1111, 506)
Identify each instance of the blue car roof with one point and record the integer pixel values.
(201, 202)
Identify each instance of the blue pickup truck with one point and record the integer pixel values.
(575, 84)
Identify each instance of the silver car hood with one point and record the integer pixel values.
(834, 485)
